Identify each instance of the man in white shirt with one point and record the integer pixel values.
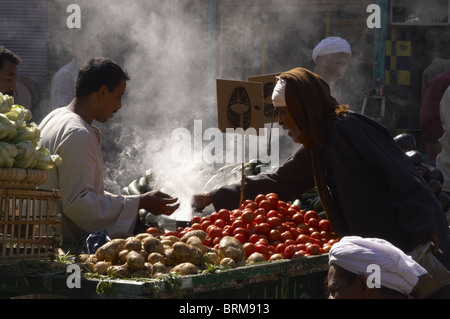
(68, 131)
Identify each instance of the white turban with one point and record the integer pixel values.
(331, 45)
(278, 95)
(398, 271)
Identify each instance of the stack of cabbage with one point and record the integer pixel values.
(19, 139)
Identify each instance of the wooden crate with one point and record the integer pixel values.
(28, 224)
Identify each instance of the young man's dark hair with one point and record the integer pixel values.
(6, 54)
(97, 73)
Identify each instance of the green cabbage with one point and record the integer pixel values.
(29, 132)
(27, 155)
(7, 128)
(7, 154)
(46, 159)
(6, 102)
(19, 113)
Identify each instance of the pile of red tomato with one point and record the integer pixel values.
(269, 226)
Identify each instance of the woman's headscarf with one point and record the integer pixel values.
(313, 109)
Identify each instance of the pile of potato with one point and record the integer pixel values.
(149, 256)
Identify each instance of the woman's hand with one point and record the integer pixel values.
(200, 201)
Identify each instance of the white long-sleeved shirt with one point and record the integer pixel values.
(443, 158)
(85, 205)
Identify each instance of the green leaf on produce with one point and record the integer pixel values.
(7, 154)
(7, 128)
(19, 113)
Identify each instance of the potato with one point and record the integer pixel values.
(173, 239)
(110, 250)
(119, 271)
(169, 257)
(255, 258)
(153, 258)
(88, 266)
(187, 253)
(194, 233)
(122, 258)
(101, 267)
(132, 243)
(140, 274)
(144, 254)
(135, 261)
(152, 245)
(196, 242)
(212, 257)
(167, 242)
(91, 258)
(158, 269)
(232, 248)
(228, 262)
(82, 258)
(186, 268)
(142, 236)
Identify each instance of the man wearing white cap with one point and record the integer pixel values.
(331, 57)
(354, 261)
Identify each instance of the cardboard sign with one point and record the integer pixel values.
(240, 105)
(268, 81)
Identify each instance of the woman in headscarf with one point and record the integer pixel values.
(367, 185)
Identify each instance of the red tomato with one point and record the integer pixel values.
(291, 212)
(282, 211)
(289, 242)
(252, 206)
(274, 221)
(248, 216)
(196, 226)
(260, 219)
(313, 222)
(213, 217)
(295, 207)
(290, 251)
(238, 224)
(295, 233)
(253, 238)
(302, 239)
(245, 203)
(272, 250)
(299, 254)
(208, 241)
(152, 230)
(266, 205)
(196, 219)
(285, 236)
(313, 249)
(274, 234)
(280, 248)
(240, 230)
(264, 228)
(304, 228)
(315, 235)
(224, 214)
(261, 248)
(325, 225)
(220, 223)
(260, 211)
(236, 213)
(259, 198)
(205, 225)
(282, 204)
(241, 237)
(298, 218)
(301, 247)
(252, 228)
(311, 214)
(226, 233)
(272, 213)
(273, 201)
(215, 232)
(272, 194)
(249, 249)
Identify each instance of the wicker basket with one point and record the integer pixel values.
(28, 224)
(19, 178)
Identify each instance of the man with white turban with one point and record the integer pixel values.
(331, 57)
(369, 268)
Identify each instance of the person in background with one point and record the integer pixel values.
(331, 57)
(429, 117)
(351, 262)
(443, 157)
(68, 131)
(8, 71)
